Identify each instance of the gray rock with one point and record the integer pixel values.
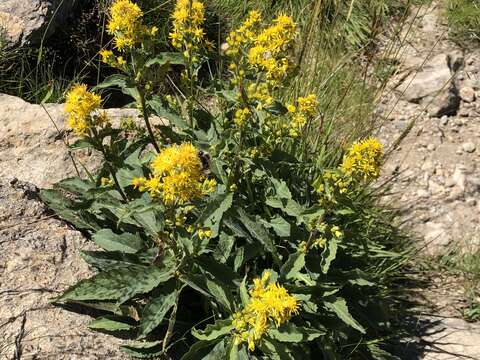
(469, 147)
(433, 85)
(467, 94)
(25, 22)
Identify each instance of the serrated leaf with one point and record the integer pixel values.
(60, 205)
(220, 293)
(281, 227)
(144, 350)
(224, 247)
(295, 334)
(292, 266)
(339, 306)
(118, 284)
(258, 231)
(219, 351)
(214, 331)
(155, 311)
(244, 292)
(104, 260)
(118, 80)
(156, 104)
(104, 323)
(212, 215)
(281, 189)
(199, 349)
(275, 349)
(80, 144)
(126, 242)
(163, 58)
(328, 255)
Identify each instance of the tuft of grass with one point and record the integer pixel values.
(463, 265)
(464, 20)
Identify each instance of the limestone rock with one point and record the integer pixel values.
(467, 94)
(433, 85)
(24, 22)
(40, 255)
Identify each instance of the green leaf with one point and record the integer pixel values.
(218, 352)
(75, 185)
(275, 350)
(155, 311)
(288, 206)
(328, 255)
(80, 144)
(143, 350)
(156, 104)
(213, 331)
(295, 334)
(281, 188)
(163, 58)
(118, 284)
(104, 323)
(258, 231)
(60, 204)
(213, 213)
(104, 260)
(118, 80)
(224, 248)
(199, 349)
(292, 266)
(281, 226)
(220, 293)
(244, 292)
(338, 305)
(126, 242)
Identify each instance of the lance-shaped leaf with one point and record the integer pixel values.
(214, 331)
(106, 324)
(118, 284)
(126, 242)
(292, 266)
(258, 231)
(339, 306)
(143, 350)
(328, 255)
(155, 311)
(292, 333)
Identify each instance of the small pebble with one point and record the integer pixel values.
(467, 94)
(468, 147)
(444, 120)
(431, 147)
(471, 201)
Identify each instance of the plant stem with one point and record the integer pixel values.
(110, 169)
(147, 121)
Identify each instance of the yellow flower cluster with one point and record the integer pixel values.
(260, 93)
(300, 114)
(244, 34)
(241, 116)
(363, 159)
(125, 24)
(268, 304)
(177, 176)
(79, 104)
(188, 33)
(268, 51)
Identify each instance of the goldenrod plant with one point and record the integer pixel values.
(224, 233)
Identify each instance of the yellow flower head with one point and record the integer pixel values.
(177, 176)
(245, 34)
(125, 24)
(188, 17)
(107, 56)
(79, 105)
(363, 159)
(269, 304)
(269, 47)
